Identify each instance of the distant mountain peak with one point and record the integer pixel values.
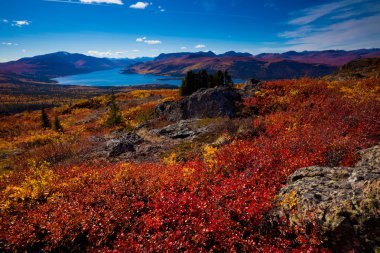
(236, 54)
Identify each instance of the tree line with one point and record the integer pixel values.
(194, 81)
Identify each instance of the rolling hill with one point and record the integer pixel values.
(60, 64)
(240, 65)
(360, 68)
(244, 65)
(331, 57)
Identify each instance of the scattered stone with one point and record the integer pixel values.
(205, 103)
(345, 201)
(181, 130)
(123, 144)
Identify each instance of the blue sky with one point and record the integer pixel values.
(130, 28)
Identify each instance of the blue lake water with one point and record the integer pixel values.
(113, 77)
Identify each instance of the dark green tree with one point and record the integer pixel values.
(195, 81)
(114, 115)
(45, 121)
(57, 125)
(188, 84)
(228, 79)
(219, 78)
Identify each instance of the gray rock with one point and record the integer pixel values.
(124, 143)
(252, 84)
(344, 200)
(205, 103)
(181, 130)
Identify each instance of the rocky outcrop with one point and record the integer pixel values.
(252, 84)
(124, 143)
(344, 200)
(182, 129)
(205, 103)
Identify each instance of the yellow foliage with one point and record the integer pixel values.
(187, 172)
(294, 93)
(39, 138)
(39, 186)
(360, 91)
(209, 155)
(290, 200)
(140, 94)
(171, 159)
(124, 172)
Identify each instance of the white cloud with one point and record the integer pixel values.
(345, 24)
(94, 2)
(200, 46)
(119, 2)
(349, 34)
(120, 53)
(297, 33)
(153, 42)
(9, 44)
(139, 5)
(149, 42)
(312, 14)
(161, 9)
(5, 21)
(108, 54)
(24, 50)
(141, 39)
(99, 54)
(183, 48)
(21, 23)
(135, 50)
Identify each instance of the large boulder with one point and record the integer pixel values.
(344, 200)
(122, 144)
(205, 103)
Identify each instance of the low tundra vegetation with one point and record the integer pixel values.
(216, 201)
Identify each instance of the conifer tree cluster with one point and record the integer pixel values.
(195, 81)
(46, 123)
(114, 115)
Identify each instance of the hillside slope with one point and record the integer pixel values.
(360, 68)
(239, 66)
(331, 57)
(60, 64)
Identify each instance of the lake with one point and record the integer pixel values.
(113, 77)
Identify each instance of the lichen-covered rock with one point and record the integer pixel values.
(344, 200)
(205, 103)
(181, 130)
(124, 143)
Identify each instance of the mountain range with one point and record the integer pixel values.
(61, 64)
(244, 65)
(240, 65)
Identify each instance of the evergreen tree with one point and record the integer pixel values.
(57, 125)
(195, 81)
(114, 116)
(45, 122)
(219, 78)
(228, 79)
(188, 84)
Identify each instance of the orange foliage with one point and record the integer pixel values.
(218, 204)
